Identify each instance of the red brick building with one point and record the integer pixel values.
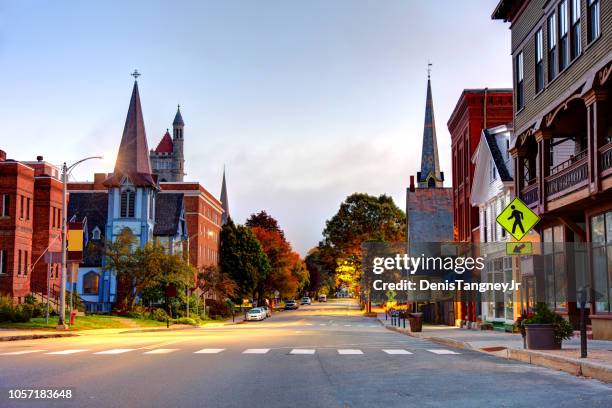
(30, 214)
(476, 109)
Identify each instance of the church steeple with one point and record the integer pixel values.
(224, 202)
(133, 156)
(430, 174)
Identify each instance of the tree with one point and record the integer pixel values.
(263, 220)
(211, 279)
(243, 259)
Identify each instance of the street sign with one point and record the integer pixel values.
(519, 248)
(517, 219)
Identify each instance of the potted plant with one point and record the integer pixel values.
(544, 329)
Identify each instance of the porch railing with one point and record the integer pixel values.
(529, 194)
(571, 177)
(606, 159)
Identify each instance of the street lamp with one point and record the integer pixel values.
(65, 173)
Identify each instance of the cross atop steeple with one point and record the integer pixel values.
(135, 74)
(429, 65)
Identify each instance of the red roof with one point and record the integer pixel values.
(165, 145)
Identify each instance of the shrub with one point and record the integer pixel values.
(218, 308)
(30, 299)
(186, 320)
(22, 313)
(160, 315)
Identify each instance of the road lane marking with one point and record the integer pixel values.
(160, 351)
(322, 324)
(18, 353)
(255, 351)
(209, 351)
(347, 325)
(115, 351)
(302, 351)
(397, 351)
(349, 351)
(63, 352)
(441, 351)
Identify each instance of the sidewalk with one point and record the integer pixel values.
(597, 365)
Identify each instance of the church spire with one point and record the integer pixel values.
(430, 174)
(133, 156)
(224, 202)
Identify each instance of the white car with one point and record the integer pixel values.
(256, 313)
(306, 300)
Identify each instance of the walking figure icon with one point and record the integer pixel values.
(518, 219)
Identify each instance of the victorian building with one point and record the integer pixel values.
(562, 149)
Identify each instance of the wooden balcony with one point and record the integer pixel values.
(567, 177)
(605, 160)
(529, 194)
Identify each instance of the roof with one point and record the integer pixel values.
(133, 157)
(506, 9)
(430, 164)
(496, 154)
(165, 145)
(224, 200)
(178, 118)
(168, 211)
(94, 207)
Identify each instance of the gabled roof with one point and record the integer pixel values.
(165, 145)
(94, 207)
(498, 158)
(168, 213)
(133, 157)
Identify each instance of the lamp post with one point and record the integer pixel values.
(65, 173)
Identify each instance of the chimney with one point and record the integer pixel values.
(98, 183)
(2, 155)
(39, 158)
(412, 184)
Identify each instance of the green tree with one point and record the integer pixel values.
(211, 279)
(243, 259)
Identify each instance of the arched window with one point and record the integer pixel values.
(95, 234)
(128, 198)
(90, 283)
(431, 182)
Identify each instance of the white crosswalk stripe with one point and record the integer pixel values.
(302, 351)
(255, 351)
(397, 351)
(161, 351)
(349, 351)
(209, 351)
(115, 351)
(441, 351)
(18, 353)
(64, 352)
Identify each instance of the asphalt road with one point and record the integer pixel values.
(324, 355)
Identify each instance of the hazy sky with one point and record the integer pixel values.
(305, 101)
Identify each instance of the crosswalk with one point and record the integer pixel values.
(250, 351)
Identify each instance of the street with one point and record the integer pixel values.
(324, 355)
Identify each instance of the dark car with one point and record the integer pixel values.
(291, 305)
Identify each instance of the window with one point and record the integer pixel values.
(3, 269)
(90, 283)
(493, 171)
(520, 102)
(539, 61)
(563, 40)
(19, 262)
(25, 262)
(127, 203)
(593, 20)
(555, 274)
(503, 205)
(576, 39)
(95, 234)
(552, 46)
(28, 209)
(22, 206)
(601, 237)
(6, 202)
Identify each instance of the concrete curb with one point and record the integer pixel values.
(569, 365)
(37, 336)
(163, 329)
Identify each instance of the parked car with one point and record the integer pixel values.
(306, 300)
(256, 313)
(267, 310)
(322, 298)
(291, 305)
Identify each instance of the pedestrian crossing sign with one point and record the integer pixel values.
(519, 248)
(517, 219)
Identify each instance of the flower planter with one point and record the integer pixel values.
(416, 322)
(541, 337)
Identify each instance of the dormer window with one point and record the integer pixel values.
(128, 199)
(96, 233)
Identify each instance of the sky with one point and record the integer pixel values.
(304, 102)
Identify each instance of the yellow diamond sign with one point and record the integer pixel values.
(517, 219)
